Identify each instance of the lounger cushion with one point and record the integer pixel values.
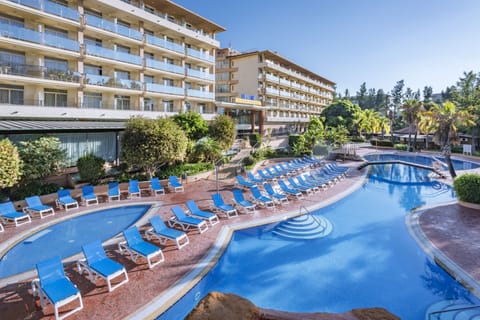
(59, 290)
(144, 248)
(106, 267)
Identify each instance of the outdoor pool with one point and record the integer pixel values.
(369, 260)
(427, 160)
(66, 238)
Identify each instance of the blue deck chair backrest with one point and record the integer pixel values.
(178, 212)
(132, 235)
(268, 187)
(192, 206)
(217, 199)
(33, 201)
(157, 223)
(113, 188)
(240, 179)
(282, 185)
(174, 180)
(238, 195)
(7, 207)
(292, 182)
(87, 190)
(156, 184)
(133, 186)
(50, 271)
(64, 193)
(250, 176)
(256, 193)
(94, 252)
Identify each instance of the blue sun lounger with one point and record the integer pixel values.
(156, 187)
(266, 176)
(98, 265)
(163, 233)
(307, 184)
(239, 199)
(35, 206)
(220, 206)
(181, 219)
(174, 184)
(204, 215)
(277, 197)
(260, 199)
(254, 179)
(133, 189)
(113, 191)
(89, 196)
(65, 200)
(137, 247)
(8, 213)
(295, 185)
(241, 182)
(290, 191)
(53, 286)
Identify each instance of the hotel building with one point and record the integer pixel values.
(79, 69)
(265, 92)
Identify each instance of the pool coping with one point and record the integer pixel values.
(169, 297)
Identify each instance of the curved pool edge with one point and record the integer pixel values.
(437, 255)
(11, 242)
(168, 298)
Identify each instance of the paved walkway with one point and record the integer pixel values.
(147, 289)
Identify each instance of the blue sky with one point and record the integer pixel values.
(424, 42)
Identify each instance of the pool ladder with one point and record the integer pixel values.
(304, 226)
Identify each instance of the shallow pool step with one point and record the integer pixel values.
(304, 227)
(453, 310)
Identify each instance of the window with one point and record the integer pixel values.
(148, 55)
(149, 32)
(222, 88)
(12, 21)
(168, 82)
(122, 102)
(148, 79)
(120, 48)
(149, 9)
(92, 42)
(188, 85)
(168, 105)
(92, 100)
(11, 94)
(93, 13)
(123, 23)
(202, 108)
(188, 106)
(120, 74)
(56, 32)
(56, 65)
(148, 104)
(11, 58)
(94, 70)
(55, 98)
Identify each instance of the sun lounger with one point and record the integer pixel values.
(137, 247)
(297, 186)
(260, 199)
(156, 187)
(277, 197)
(290, 191)
(307, 184)
(163, 233)
(113, 191)
(89, 196)
(35, 206)
(8, 213)
(53, 286)
(321, 183)
(239, 199)
(174, 184)
(204, 215)
(254, 179)
(133, 189)
(181, 219)
(241, 182)
(65, 200)
(98, 265)
(266, 176)
(220, 206)
(273, 173)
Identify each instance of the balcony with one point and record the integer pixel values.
(165, 44)
(112, 54)
(155, 87)
(40, 72)
(113, 27)
(200, 74)
(200, 94)
(285, 82)
(200, 55)
(112, 82)
(286, 119)
(21, 33)
(164, 66)
(271, 78)
(272, 91)
(51, 7)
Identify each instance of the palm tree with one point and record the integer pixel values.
(367, 120)
(410, 111)
(426, 125)
(446, 118)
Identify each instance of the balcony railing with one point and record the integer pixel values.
(21, 33)
(272, 91)
(200, 74)
(200, 94)
(155, 87)
(269, 77)
(164, 44)
(112, 54)
(200, 55)
(113, 27)
(51, 7)
(160, 65)
(113, 82)
(34, 71)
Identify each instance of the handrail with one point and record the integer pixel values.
(311, 215)
(451, 310)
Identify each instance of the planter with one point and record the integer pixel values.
(470, 205)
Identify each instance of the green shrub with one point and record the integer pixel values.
(457, 149)
(357, 139)
(249, 161)
(467, 186)
(401, 146)
(381, 143)
(292, 140)
(34, 188)
(255, 139)
(91, 168)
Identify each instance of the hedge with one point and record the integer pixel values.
(467, 187)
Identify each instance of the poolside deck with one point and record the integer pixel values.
(147, 286)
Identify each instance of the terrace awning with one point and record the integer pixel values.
(30, 126)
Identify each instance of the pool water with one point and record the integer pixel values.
(66, 238)
(369, 260)
(423, 159)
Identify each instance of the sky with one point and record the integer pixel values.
(379, 42)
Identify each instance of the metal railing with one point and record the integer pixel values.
(439, 312)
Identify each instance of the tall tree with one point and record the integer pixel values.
(222, 130)
(10, 164)
(362, 96)
(397, 100)
(193, 124)
(340, 112)
(427, 94)
(411, 112)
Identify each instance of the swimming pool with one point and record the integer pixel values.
(369, 260)
(66, 238)
(427, 160)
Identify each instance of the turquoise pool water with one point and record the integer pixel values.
(369, 260)
(427, 160)
(66, 238)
